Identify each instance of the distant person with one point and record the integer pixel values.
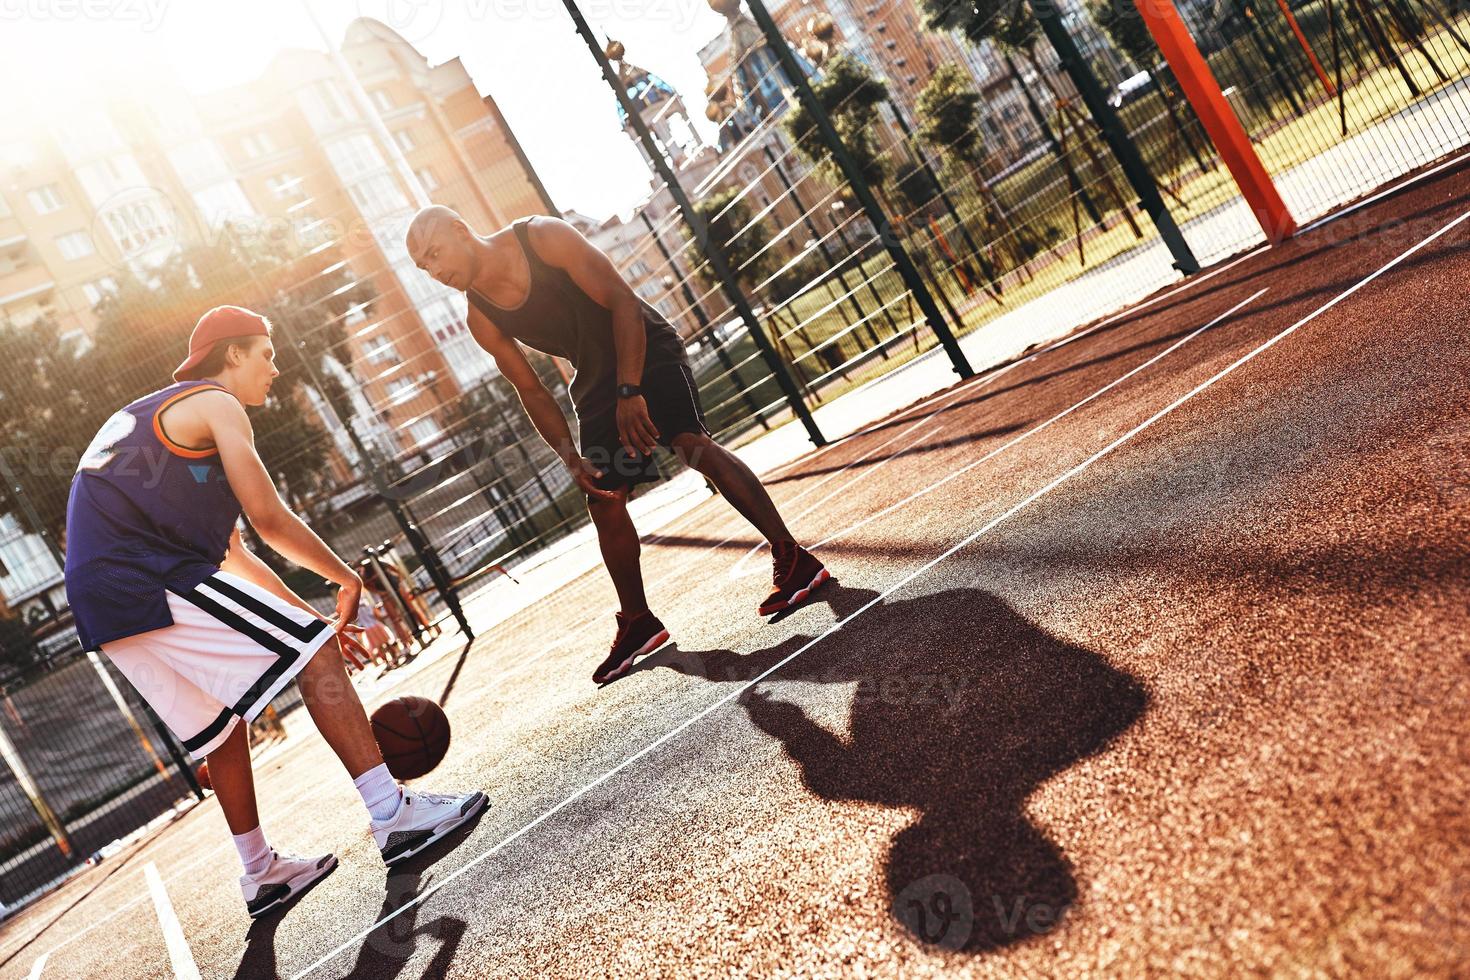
(160, 581)
(540, 283)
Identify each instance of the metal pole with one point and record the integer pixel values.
(389, 589)
(33, 793)
(699, 314)
(776, 43)
(1230, 138)
(174, 751)
(715, 250)
(127, 712)
(923, 158)
(1122, 145)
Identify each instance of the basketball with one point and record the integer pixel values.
(202, 775)
(413, 735)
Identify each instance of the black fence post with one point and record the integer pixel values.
(864, 194)
(1049, 17)
(715, 250)
(704, 324)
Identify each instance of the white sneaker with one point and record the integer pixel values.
(284, 879)
(422, 819)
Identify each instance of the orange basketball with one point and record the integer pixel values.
(202, 774)
(413, 735)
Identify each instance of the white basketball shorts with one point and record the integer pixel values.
(232, 648)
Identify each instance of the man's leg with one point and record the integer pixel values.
(337, 711)
(736, 482)
(618, 539)
(233, 782)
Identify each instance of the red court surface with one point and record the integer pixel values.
(1148, 655)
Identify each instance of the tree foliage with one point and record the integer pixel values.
(851, 95)
(947, 109)
(55, 393)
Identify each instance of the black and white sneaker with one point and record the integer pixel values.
(283, 880)
(422, 819)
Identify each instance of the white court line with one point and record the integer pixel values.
(179, 953)
(1035, 429)
(956, 547)
(38, 966)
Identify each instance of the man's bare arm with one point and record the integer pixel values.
(540, 405)
(561, 245)
(244, 563)
(230, 431)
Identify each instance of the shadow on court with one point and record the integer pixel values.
(960, 709)
(386, 951)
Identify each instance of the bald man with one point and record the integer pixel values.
(541, 284)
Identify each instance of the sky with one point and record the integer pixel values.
(526, 53)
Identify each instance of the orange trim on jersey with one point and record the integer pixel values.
(169, 444)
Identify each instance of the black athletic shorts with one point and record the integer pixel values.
(673, 404)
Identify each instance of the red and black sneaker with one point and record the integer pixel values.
(796, 575)
(637, 636)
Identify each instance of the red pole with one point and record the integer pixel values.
(1306, 48)
(1219, 120)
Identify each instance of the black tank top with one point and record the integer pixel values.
(558, 318)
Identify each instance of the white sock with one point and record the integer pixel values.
(380, 792)
(255, 853)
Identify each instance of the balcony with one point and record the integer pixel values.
(25, 283)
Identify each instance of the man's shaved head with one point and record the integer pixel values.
(430, 224)
(442, 244)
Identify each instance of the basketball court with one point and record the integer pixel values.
(1146, 655)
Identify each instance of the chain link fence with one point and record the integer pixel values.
(391, 434)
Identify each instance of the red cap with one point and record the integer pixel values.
(218, 324)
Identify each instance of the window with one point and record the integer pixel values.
(75, 245)
(426, 177)
(639, 269)
(401, 390)
(46, 199)
(285, 185)
(259, 144)
(404, 140)
(425, 431)
(380, 350)
(5, 211)
(383, 99)
(134, 226)
(97, 290)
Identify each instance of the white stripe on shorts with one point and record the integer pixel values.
(233, 647)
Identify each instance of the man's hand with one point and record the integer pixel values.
(585, 475)
(349, 592)
(636, 430)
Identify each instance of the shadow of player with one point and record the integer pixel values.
(960, 709)
(386, 951)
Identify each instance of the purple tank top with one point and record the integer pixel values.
(145, 516)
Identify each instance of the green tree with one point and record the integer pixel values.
(54, 395)
(851, 95)
(948, 110)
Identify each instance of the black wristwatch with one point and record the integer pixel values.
(629, 391)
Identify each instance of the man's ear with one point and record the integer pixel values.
(462, 230)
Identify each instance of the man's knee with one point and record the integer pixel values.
(601, 507)
(696, 449)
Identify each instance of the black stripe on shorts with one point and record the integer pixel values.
(285, 654)
(193, 745)
(301, 631)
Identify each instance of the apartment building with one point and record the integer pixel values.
(328, 154)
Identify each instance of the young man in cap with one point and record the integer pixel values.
(540, 283)
(159, 580)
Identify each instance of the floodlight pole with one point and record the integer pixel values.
(914, 282)
(715, 250)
